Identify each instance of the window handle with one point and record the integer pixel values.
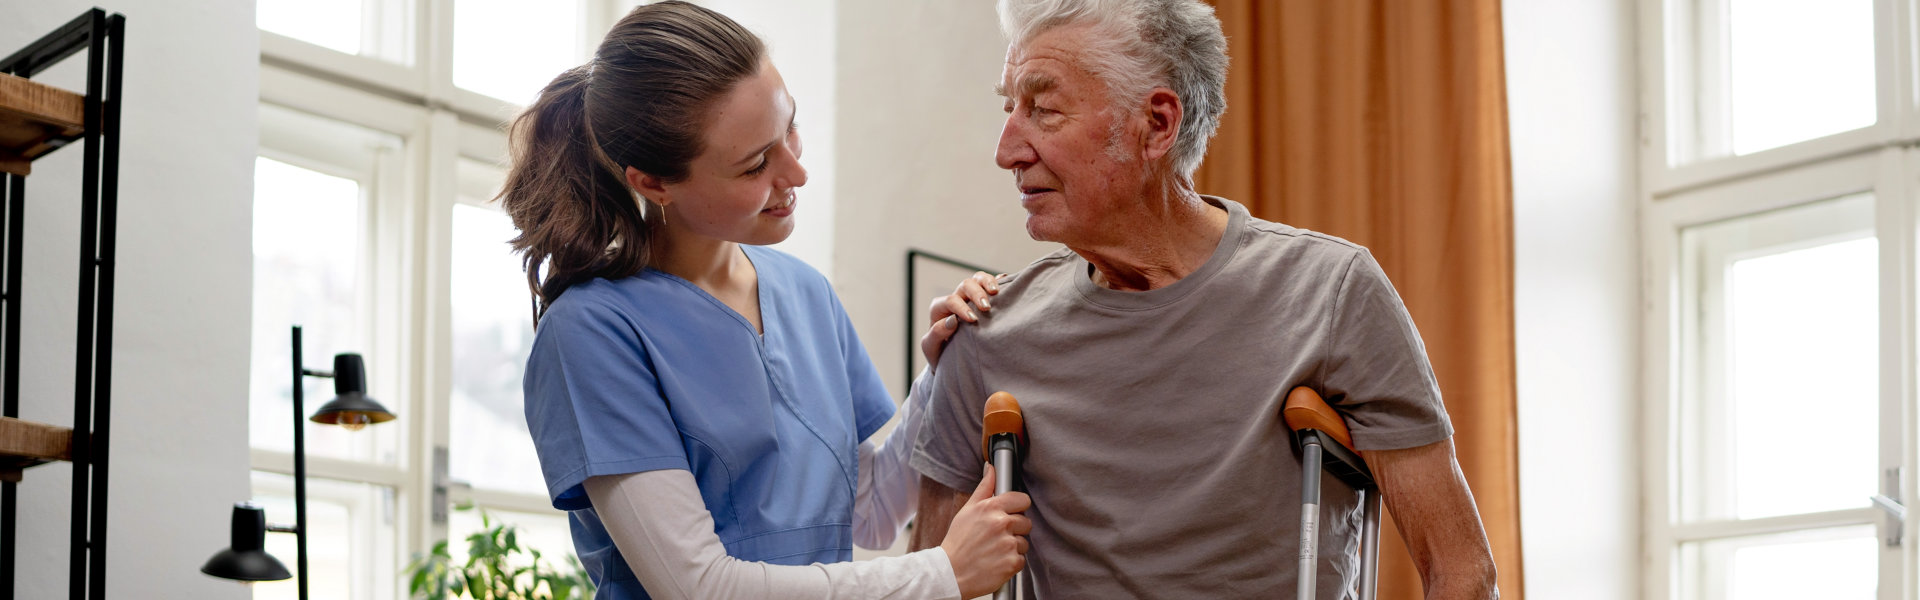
(1890, 503)
(1891, 506)
(443, 485)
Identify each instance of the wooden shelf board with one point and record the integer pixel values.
(35, 119)
(35, 441)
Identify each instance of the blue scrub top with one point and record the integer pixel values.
(650, 372)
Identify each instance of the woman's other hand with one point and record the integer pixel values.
(945, 314)
(987, 542)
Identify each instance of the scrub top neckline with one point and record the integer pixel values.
(759, 294)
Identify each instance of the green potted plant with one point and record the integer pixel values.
(497, 568)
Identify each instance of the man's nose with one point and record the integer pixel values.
(1014, 152)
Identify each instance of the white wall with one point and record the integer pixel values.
(1571, 104)
(916, 131)
(179, 450)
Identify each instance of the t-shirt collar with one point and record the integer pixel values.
(1144, 300)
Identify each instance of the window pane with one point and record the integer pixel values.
(1752, 75)
(546, 532)
(509, 49)
(1800, 70)
(333, 24)
(373, 28)
(350, 547)
(1787, 324)
(492, 335)
(1803, 331)
(307, 244)
(1838, 564)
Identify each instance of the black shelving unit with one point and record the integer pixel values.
(101, 36)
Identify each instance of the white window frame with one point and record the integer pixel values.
(1667, 166)
(408, 259)
(1882, 159)
(361, 539)
(487, 146)
(1705, 380)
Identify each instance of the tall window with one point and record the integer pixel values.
(1778, 215)
(380, 154)
(491, 453)
(317, 185)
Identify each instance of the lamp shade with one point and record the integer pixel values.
(351, 408)
(246, 559)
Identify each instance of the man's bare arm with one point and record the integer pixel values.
(1428, 496)
(938, 505)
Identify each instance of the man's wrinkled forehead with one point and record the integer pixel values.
(1033, 68)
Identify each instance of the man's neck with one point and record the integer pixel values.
(1167, 239)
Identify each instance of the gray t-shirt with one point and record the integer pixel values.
(1158, 463)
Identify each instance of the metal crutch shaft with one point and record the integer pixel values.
(1309, 517)
(1326, 446)
(1003, 432)
(1003, 467)
(1370, 545)
(1006, 467)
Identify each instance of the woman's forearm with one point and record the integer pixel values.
(666, 535)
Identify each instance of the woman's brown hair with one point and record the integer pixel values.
(642, 101)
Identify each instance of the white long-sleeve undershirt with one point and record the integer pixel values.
(888, 491)
(664, 531)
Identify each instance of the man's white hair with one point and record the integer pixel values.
(1137, 45)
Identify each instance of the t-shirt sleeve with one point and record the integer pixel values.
(1376, 369)
(948, 450)
(593, 404)
(872, 404)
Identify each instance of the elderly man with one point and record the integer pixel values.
(1153, 353)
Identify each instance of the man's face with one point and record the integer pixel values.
(1065, 142)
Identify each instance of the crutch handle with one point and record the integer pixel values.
(1003, 436)
(1305, 410)
(1002, 417)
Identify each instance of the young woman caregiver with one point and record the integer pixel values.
(700, 403)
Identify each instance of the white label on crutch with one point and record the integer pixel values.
(1309, 532)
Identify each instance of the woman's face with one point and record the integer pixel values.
(741, 186)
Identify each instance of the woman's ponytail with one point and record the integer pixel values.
(576, 215)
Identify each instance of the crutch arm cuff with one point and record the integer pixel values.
(1305, 410)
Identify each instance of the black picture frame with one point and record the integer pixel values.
(929, 276)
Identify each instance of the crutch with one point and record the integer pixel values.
(1003, 439)
(1324, 442)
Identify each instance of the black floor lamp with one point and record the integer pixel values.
(246, 559)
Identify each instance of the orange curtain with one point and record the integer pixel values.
(1385, 122)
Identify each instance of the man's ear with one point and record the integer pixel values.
(1163, 122)
(650, 188)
